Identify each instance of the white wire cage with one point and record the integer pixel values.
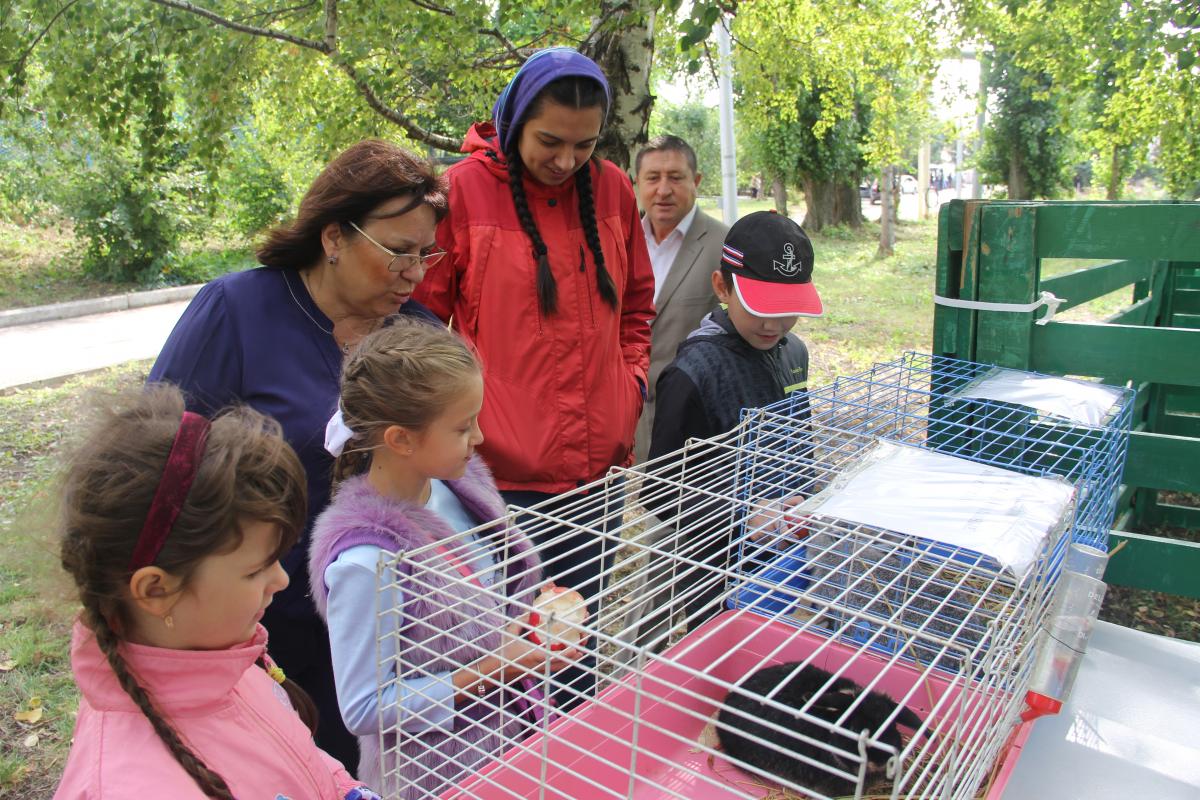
(912, 657)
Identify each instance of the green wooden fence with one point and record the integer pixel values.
(993, 252)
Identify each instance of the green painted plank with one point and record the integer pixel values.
(1183, 399)
(1158, 288)
(1082, 285)
(1160, 461)
(1008, 273)
(1167, 231)
(1189, 321)
(947, 282)
(1127, 352)
(1179, 516)
(1140, 313)
(1178, 425)
(1187, 282)
(1155, 563)
(1186, 301)
(964, 329)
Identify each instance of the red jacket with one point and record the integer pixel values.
(561, 392)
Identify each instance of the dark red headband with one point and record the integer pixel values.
(182, 464)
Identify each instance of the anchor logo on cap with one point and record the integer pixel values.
(789, 266)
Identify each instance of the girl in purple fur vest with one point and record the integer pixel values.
(443, 623)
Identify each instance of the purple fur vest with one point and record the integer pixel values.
(447, 622)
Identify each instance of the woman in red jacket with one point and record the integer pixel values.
(549, 277)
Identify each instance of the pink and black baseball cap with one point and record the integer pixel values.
(771, 260)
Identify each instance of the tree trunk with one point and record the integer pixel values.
(849, 204)
(887, 227)
(779, 192)
(1114, 175)
(831, 203)
(624, 50)
(1017, 181)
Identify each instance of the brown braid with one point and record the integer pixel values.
(301, 701)
(587, 216)
(547, 287)
(248, 473)
(212, 784)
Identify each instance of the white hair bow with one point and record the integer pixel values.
(337, 433)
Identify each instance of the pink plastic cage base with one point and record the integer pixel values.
(580, 762)
(1008, 760)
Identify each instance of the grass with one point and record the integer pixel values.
(36, 598)
(40, 265)
(874, 308)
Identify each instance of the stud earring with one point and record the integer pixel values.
(169, 621)
(332, 259)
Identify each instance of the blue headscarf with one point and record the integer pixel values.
(538, 70)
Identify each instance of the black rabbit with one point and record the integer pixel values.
(741, 736)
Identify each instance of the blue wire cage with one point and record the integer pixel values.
(879, 588)
(919, 399)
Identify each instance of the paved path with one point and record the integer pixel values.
(45, 350)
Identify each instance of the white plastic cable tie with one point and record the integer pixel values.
(1047, 299)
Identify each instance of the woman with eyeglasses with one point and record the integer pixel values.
(274, 338)
(548, 275)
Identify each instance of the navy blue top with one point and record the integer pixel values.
(246, 338)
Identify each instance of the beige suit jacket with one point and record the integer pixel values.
(683, 301)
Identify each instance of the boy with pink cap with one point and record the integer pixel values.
(743, 355)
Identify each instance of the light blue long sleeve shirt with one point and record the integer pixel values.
(418, 704)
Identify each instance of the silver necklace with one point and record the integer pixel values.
(299, 305)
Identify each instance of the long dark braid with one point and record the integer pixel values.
(547, 286)
(212, 784)
(587, 216)
(573, 92)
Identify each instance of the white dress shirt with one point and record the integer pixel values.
(662, 254)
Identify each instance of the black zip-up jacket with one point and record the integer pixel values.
(716, 373)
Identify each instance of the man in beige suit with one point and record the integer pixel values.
(685, 248)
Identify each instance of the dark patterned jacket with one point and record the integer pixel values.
(716, 373)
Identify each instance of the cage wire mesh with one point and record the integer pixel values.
(1029, 422)
(913, 656)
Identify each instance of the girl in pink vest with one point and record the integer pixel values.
(173, 528)
(443, 625)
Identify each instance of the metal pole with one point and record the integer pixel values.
(728, 152)
(958, 160)
(923, 159)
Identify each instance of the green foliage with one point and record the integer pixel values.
(850, 95)
(202, 265)
(29, 172)
(1124, 76)
(697, 124)
(1025, 145)
(254, 190)
(22, 196)
(164, 91)
(131, 215)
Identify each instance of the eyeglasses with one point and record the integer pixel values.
(402, 262)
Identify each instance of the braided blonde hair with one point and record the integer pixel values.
(406, 374)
